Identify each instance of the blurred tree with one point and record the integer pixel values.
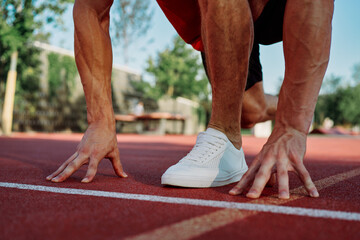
(327, 106)
(356, 74)
(21, 23)
(340, 103)
(331, 84)
(178, 72)
(62, 73)
(349, 105)
(131, 20)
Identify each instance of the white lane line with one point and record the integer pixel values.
(203, 224)
(309, 212)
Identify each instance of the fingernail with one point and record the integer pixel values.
(284, 195)
(233, 192)
(314, 193)
(125, 175)
(55, 179)
(85, 180)
(252, 194)
(48, 177)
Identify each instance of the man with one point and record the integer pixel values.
(226, 35)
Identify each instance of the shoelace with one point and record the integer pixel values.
(206, 146)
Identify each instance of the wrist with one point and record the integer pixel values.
(300, 122)
(103, 117)
(288, 132)
(105, 124)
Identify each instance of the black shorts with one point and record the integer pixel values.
(268, 29)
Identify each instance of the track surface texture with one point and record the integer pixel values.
(139, 207)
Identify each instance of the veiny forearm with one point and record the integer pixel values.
(93, 55)
(307, 37)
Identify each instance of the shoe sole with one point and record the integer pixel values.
(183, 181)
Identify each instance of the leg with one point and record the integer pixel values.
(227, 33)
(257, 106)
(217, 158)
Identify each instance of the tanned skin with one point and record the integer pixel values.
(93, 55)
(227, 34)
(257, 106)
(306, 40)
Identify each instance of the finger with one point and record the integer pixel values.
(245, 181)
(306, 179)
(272, 180)
(70, 168)
(62, 167)
(282, 174)
(92, 169)
(261, 178)
(115, 159)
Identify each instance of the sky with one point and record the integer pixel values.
(344, 54)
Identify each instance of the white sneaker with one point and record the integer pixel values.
(213, 162)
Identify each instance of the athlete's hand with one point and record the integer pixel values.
(97, 143)
(284, 151)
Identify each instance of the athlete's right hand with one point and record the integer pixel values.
(97, 143)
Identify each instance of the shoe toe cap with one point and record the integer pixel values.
(183, 170)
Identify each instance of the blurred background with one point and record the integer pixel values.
(154, 70)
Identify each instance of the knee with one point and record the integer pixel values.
(249, 119)
(254, 106)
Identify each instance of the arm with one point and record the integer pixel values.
(93, 55)
(307, 34)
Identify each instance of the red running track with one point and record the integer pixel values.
(334, 164)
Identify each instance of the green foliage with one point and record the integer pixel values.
(16, 25)
(331, 84)
(20, 24)
(28, 71)
(177, 72)
(340, 103)
(20, 18)
(62, 73)
(356, 74)
(349, 105)
(146, 90)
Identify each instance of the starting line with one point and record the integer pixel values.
(298, 211)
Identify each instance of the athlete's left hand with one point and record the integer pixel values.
(284, 151)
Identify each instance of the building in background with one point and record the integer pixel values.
(60, 105)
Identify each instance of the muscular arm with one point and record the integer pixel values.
(307, 34)
(307, 37)
(93, 55)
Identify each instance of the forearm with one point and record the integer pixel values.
(307, 37)
(297, 103)
(93, 55)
